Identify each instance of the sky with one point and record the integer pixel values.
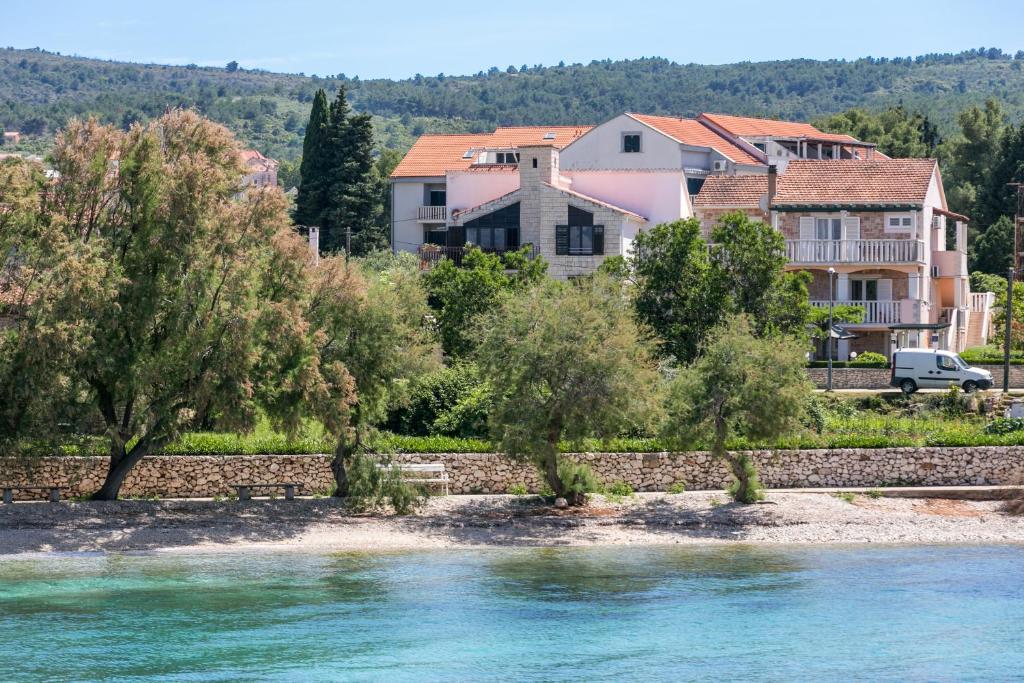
(397, 39)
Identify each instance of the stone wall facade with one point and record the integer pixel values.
(208, 476)
(878, 378)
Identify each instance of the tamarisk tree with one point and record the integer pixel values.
(145, 270)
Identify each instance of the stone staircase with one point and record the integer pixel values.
(977, 335)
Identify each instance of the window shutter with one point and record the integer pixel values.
(852, 225)
(885, 290)
(561, 240)
(806, 227)
(598, 240)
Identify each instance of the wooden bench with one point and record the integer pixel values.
(9, 492)
(245, 490)
(423, 473)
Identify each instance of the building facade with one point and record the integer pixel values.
(576, 195)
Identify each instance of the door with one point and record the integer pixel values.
(941, 374)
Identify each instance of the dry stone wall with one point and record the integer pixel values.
(878, 378)
(207, 476)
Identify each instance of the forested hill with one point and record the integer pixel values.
(40, 90)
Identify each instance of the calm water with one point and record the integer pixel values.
(909, 614)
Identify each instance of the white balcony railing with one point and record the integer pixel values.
(855, 251)
(981, 302)
(884, 312)
(432, 214)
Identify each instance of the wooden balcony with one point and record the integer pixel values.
(825, 252)
(432, 214)
(431, 254)
(875, 312)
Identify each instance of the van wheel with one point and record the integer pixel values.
(970, 386)
(908, 386)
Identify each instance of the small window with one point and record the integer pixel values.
(468, 154)
(761, 146)
(900, 222)
(828, 228)
(507, 157)
(631, 142)
(945, 362)
(549, 136)
(535, 162)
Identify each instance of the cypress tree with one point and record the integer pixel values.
(316, 162)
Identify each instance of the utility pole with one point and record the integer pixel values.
(1018, 226)
(1008, 324)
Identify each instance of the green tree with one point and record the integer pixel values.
(972, 155)
(458, 294)
(739, 384)
(566, 362)
(897, 132)
(150, 280)
(992, 252)
(817, 320)
(684, 288)
(313, 172)
(367, 335)
(999, 198)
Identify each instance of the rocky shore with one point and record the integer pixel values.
(324, 525)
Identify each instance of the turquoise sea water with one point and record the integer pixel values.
(926, 613)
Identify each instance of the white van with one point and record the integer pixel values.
(914, 369)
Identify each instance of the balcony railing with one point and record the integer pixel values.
(876, 312)
(432, 214)
(855, 251)
(431, 254)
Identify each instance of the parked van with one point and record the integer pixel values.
(914, 369)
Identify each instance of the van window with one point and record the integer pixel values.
(945, 363)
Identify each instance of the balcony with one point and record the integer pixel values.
(432, 214)
(431, 254)
(825, 252)
(875, 312)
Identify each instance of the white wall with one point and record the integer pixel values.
(601, 148)
(467, 189)
(407, 198)
(659, 197)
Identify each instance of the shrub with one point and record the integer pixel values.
(468, 417)
(434, 396)
(370, 486)
(869, 359)
(677, 488)
(814, 414)
(753, 491)
(577, 478)
(990, 355)
(619, 488)
(517, 489)
(1005, 425)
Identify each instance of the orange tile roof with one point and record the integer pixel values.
(693, 132)
(740, 191)
(853, 181)
(251, 158)
(748, 126)
(434, 155)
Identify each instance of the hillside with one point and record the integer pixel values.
(40, 90)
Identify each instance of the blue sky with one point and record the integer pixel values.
(398, 38)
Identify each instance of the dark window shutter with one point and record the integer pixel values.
(561, 240)
(598, 240)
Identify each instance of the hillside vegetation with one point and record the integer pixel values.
(39, 91)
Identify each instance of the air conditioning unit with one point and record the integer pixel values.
(935, 271)
(720, 165)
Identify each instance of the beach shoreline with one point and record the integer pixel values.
(325, 525)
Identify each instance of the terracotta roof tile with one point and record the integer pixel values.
(434, 155)
(741, 191)
(852, 181)
(693, 132)
(748, 126)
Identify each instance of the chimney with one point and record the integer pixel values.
(538, 163)
(314, 244)
(773, 182)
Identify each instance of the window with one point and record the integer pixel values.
(864, 290)
(761, 146)
(631, 142)
(900, 222)
(508, 158)
(496, 231)
(828, 228)
(945, 362)
(580, 237)
(438, 197)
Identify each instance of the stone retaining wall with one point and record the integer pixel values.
(878, 378)
(207, 476)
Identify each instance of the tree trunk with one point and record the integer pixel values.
(551, 471)
(738, 466)
(121, 463)
(339, 464)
